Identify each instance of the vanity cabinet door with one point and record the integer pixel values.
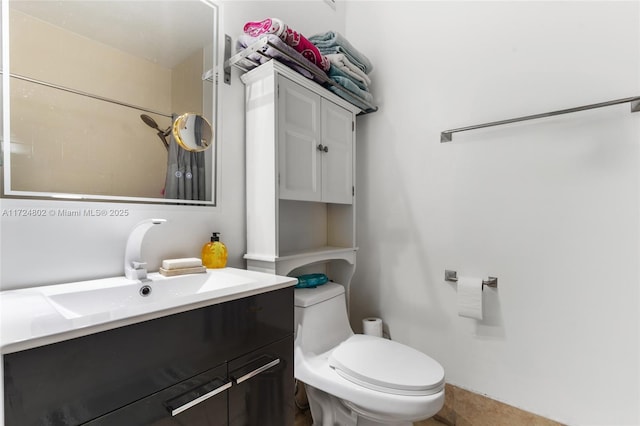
(263, 390)
(337, 156)
(315, 146)
(199, 401)
(299, 142)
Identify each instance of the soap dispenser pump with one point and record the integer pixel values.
(214, 253)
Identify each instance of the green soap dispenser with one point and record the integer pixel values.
(214, 253)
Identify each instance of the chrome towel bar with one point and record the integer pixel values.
(453, 277)
(447, 135)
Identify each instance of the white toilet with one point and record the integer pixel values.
(355, 379)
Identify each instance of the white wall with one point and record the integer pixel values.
(549, 207)
(46, 250)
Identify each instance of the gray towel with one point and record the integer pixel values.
(333, 42)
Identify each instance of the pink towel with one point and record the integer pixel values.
(267, 26)
(289, 36)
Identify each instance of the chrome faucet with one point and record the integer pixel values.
(134, 267)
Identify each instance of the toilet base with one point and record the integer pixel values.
(327, 410)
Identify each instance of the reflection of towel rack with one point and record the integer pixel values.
(447, 135)
(81, 93)
(240, 60)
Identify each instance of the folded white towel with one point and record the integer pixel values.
(187, 262)
(342, 62)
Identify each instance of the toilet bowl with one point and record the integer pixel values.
(354, 379)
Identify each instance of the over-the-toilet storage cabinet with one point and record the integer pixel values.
(300, 168)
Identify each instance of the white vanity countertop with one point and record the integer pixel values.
(39, 316)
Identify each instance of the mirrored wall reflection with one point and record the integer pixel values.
(94, 89)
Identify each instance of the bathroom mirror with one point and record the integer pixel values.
(103, 97)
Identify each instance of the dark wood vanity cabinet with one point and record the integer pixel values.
(263, 384)
(225, 364)
(161, 408)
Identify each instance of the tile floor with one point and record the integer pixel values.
(430, 422)
(461, 408)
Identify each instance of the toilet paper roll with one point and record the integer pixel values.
(372, 326)
(470, 297)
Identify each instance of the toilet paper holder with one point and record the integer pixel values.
(453, 277)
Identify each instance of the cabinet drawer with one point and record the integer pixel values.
(201, 400)
(263, 387)
(256, 321)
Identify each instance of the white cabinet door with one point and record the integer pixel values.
(315, 146)
(299, 171)
(337, 155)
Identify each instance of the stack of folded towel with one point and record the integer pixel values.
(329, 53)
(268, 52)
(290, 37)
(286, 45)
(349, 67)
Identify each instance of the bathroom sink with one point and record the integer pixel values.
(75, 304)
(46, 314)
(111, 296)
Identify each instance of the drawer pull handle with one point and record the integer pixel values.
(257, 371)
(198, 400)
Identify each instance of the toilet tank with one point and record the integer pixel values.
(321, 317)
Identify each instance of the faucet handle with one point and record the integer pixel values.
(138, 265)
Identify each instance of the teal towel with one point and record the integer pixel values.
(352, 99)
(337, 72)
(348, 84)
(334, 42)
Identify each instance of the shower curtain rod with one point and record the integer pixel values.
(89, 95)
(447, 135)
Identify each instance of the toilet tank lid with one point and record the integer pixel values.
(305, 297)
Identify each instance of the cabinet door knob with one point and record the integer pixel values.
(326, 149)
(320, 147)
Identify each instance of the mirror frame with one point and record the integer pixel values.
(5, 125)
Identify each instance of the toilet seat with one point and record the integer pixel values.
(386, 366)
